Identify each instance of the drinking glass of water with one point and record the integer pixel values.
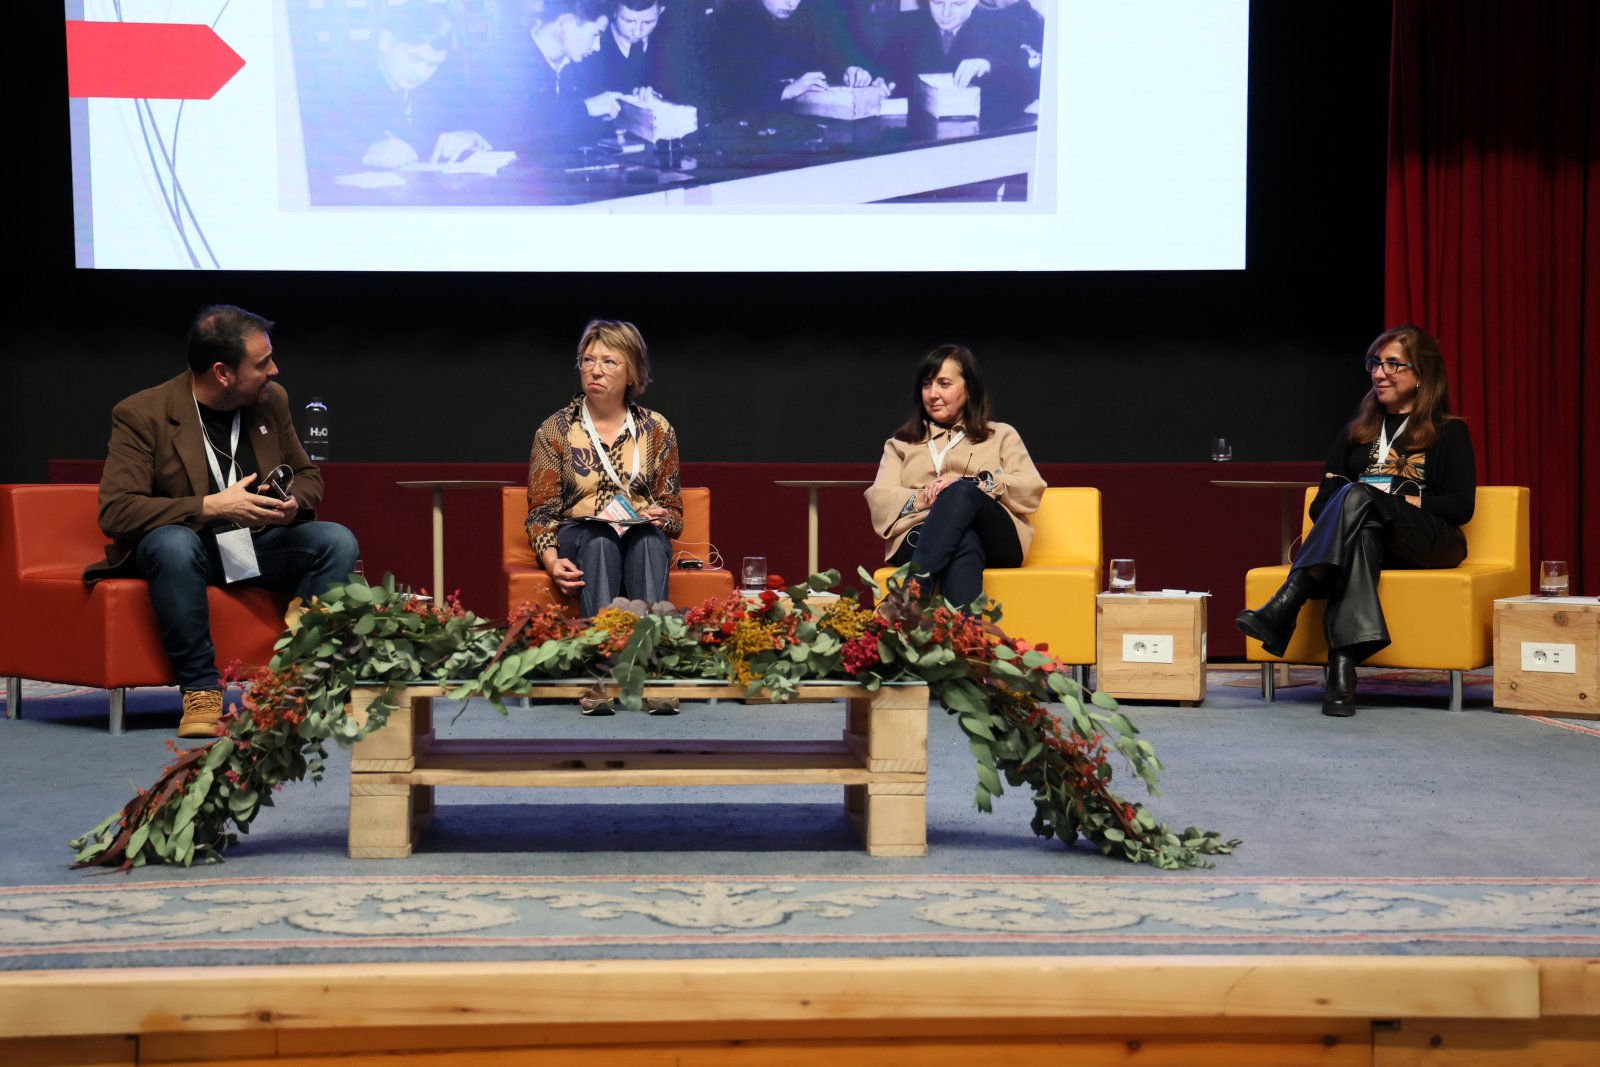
(1122, 577)
(753, 574)
(1553, 580)
(1221, 450)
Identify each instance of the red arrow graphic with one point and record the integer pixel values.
(150, 60)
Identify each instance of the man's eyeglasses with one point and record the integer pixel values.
(610, 366)
(1390, 366)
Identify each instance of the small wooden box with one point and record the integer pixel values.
(938, 95)
(654, 119)
(1172, 626)
(840, 102)
(1530, 631)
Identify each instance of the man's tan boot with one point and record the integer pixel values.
(202, 710)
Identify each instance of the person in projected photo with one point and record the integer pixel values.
(628, 58)
(543, 102)
(1399, 484)
(978, 45)
(1029, 16)
(185, 498)
(604, 459)
(954, 490)
(400, 104)
(764, 53)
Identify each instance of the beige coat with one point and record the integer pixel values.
(907, 467)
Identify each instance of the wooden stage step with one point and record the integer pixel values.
(1094, 1011)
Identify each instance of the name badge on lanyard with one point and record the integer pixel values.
(1386, 481)
(600, 448)
(237, 550)
(938, 454)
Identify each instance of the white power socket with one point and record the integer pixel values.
(1550, 659)
(1147, 648)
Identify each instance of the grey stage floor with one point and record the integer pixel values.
(1406, 828)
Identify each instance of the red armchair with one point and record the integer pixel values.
(54, 628)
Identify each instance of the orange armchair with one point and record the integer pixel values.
(54, 628)
(522, 579)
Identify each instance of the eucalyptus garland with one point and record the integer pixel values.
(998, 689)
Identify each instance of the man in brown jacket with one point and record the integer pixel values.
(184, 497)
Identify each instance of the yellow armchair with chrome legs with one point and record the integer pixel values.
(1050, 598)
(1439, 620)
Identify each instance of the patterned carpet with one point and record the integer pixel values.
(364, 919)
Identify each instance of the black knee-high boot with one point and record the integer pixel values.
(1273, 622)
(1339, 690)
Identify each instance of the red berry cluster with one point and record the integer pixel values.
(860, 654)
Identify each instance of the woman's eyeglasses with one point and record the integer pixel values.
(1390, 366)
(610, 366)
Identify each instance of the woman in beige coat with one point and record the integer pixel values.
(954, 490)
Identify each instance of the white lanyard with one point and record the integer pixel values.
(600, 448)
(212, 450)
(1384, 438)
(938, 454)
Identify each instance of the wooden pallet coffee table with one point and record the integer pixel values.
(881, 760)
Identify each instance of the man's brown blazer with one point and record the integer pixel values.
(155, 472)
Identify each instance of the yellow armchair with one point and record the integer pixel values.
(1050, 598)
(1438, 619)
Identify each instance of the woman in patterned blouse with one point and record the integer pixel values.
(604, 498)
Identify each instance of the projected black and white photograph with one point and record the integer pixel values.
(714, 102)
(703, 135)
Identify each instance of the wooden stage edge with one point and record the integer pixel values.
(1239, 1010)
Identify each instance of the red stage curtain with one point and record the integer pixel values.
(1493, 241)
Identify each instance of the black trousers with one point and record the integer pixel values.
(1362, 531)
(965, 531)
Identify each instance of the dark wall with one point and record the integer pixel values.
(1091, 367)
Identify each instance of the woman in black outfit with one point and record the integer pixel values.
(1400, 483)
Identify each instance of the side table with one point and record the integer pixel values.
(812, 512)
(1151, 646)
(1547, 655)
(438, 488)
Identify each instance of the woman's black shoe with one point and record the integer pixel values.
(1339, 695)
(1273, 622)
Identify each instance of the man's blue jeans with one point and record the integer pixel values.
(178, 564)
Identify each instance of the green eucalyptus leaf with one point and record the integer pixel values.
(977, 724)
(826, 580)
(136, 841)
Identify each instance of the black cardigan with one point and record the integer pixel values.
(1445, 473)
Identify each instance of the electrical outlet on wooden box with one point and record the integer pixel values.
(1549, 658)
(1147, 648)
